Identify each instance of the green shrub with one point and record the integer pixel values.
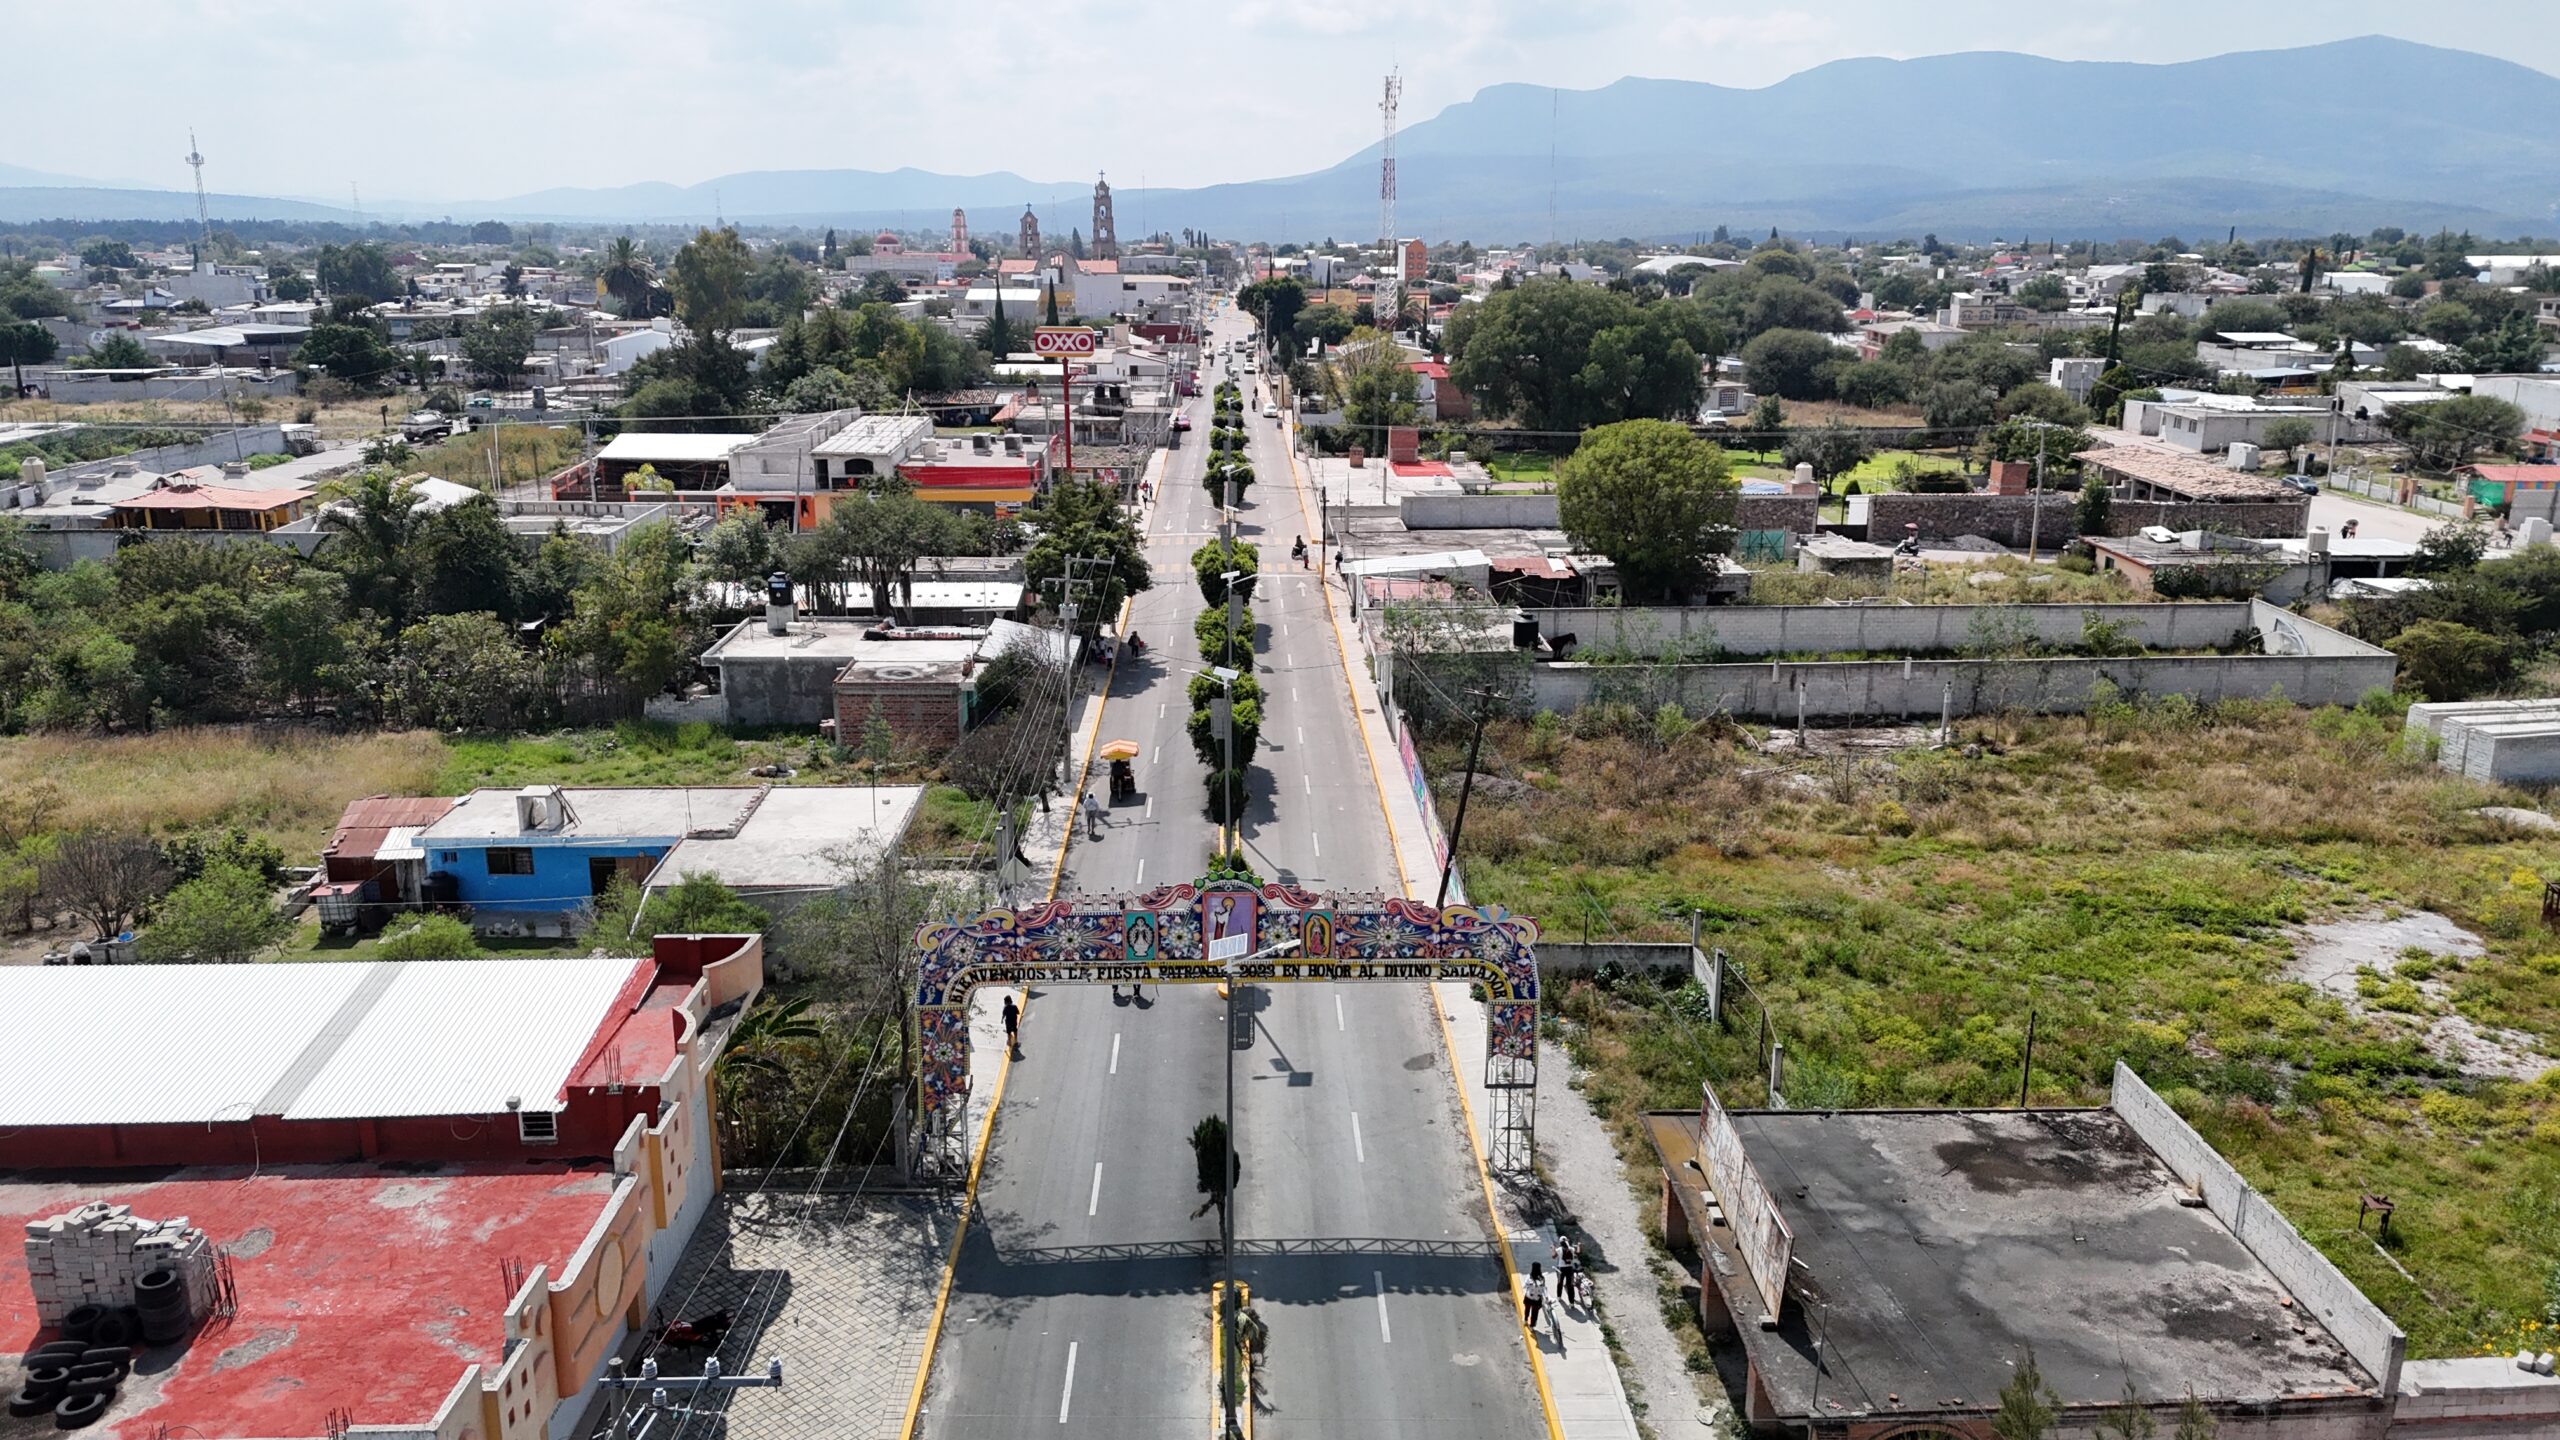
(427, 937)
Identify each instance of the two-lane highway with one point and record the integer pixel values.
(1082, 1298)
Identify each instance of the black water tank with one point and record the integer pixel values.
(1524, 630)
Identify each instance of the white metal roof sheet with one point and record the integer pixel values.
(157, 1044)
(191, 1044)
(462, 1037)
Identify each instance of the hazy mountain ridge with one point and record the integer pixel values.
(2336, 136)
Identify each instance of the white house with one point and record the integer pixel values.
(618, 353)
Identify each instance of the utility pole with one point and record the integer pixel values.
(2035, 501)
(1466, 788)
(662, 1389)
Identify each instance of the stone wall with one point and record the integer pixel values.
(2008, 520)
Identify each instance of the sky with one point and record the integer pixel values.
(471, 99)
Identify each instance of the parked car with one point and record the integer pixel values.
(1270, 411)
(1181, 422)
(2302, 483)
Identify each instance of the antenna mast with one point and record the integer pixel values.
(204, 223)
(1390, 309)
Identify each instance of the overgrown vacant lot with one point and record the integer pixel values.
(2141, 879)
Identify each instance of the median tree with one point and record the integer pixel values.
(1652, 497)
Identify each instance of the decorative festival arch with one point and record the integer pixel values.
(1166, 935)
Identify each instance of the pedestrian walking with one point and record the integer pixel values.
(1573, 1282)
(1533, 1293)
(1093, 820)
(1012, 1028)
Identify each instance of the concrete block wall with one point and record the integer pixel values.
(2359, 1324)
(1887, 629)
(1794, 514)
(94, 1255)
(1919, 689)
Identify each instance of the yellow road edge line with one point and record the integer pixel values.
(1342, 647)
(1493, 1216)
(1004, 1071)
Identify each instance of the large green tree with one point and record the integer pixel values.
(710, 278)
(353, 355)
(1652, 497)
(1084, 518)
(359, 272)
(1794, 364)
(1561, 357)
(23, 343)
(498, 341)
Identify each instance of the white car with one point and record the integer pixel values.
(2159, 534)
(1270, 411)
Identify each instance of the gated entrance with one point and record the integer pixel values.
(1218, 931)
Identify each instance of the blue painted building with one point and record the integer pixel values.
(545, 850)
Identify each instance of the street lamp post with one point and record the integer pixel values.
(1228, 1384)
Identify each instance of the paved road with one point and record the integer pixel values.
(1361, 1225)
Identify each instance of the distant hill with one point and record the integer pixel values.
(2345, 135)
(63, 202)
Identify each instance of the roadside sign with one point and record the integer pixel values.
(1062, 340)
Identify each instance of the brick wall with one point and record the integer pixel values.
(922, 717)
(2005, 518)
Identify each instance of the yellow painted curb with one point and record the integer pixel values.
(1351, 695)
(1493, 1217)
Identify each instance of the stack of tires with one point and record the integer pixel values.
(74, 1379)
(161, 1298)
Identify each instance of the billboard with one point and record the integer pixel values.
(1059, 340)
(1767, 1245)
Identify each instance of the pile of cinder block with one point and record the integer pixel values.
(94, 1254)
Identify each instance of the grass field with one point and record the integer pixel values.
(2132, 879)
(291, 785)
(522, 454)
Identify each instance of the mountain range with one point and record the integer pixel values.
(2338, 136)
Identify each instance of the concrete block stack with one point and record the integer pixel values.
(94, 1254)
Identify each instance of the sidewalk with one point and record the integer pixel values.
(1581, 1379)
(1418, 868)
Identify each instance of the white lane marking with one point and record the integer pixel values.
(1359, 1150)
(1142, 870)
(1385, 1335)
(1338, 1023)
(1068, 1394)
(1151, 807)
(1302, 735)
(1308, 781)
(1158, 757)
(1159, 711)
(1115, 1052)
(1312, 838)
(1094, 1202)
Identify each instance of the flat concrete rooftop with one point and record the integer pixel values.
(1932, 1248)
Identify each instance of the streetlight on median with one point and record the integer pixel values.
(1234, 947)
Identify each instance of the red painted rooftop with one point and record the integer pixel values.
(1417, 468)
(639, 1048)
(359, 1288)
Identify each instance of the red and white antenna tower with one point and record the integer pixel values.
(1390, 303)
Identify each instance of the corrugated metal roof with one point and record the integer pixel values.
(190, 1044)
(159, 1044)
(460, 1037)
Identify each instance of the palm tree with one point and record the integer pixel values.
(761, 1033)
(626, 275)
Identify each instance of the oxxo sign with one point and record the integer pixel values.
(1062, 340)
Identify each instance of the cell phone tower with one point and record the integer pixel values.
(1390, 303)
(204, 221)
